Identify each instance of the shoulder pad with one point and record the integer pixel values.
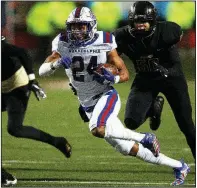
(107, 37)
(171, 32)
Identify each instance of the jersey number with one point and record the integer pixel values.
(78, 67)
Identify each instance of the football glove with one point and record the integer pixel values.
(161, 70)
(73, 89)
(37, 90)
(105, 78)
(66, 62)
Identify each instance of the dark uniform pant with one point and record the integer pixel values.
(15, 103)
(144, 90)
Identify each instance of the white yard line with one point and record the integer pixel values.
(103, 182)
(9, 162)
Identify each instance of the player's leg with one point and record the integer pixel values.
(131, 148)
(178, 98)
(138, 104)
(16, 104)
(105, 123)
(181, 169)
(155, 112)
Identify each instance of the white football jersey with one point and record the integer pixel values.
(84, 59)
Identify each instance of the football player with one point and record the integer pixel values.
(18, 80)
(151, 46)
(80, 50)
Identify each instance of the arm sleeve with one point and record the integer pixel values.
(45, 69)
(23, 56)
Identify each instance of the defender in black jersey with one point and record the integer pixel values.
(18, 80)
(151, 46)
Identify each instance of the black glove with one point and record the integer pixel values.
(73, 89)
(38, 91)
(161, 70)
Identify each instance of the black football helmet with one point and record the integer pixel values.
(142, 11)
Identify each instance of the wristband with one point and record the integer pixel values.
(116, 79)
(31, 76)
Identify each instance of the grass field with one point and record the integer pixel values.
(94, 162)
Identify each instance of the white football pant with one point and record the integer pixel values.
(106, 113)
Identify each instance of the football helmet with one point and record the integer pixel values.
(81, 26)
(142, 12)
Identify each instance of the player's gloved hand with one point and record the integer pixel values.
(37, 90)
(161, 70)
(108, 75)
(105, 78)
(73, 89)
(66, 62)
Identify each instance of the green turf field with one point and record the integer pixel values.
(94, 162)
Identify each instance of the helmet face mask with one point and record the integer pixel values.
(78, 31)
(142, 18)
(81, 26)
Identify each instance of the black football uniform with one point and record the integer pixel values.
(158, 49)
(16, 66)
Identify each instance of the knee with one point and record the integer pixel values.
(14, 132)
(126, 149)
(99, 132)
(132, 124)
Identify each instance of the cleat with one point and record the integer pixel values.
(63, 145)
(180, 174)
(7, 179)
(155, 118)
(150, 142)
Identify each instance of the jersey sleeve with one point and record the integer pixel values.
(55, 43)
(23, 56)
(172, 33)
(108, 38)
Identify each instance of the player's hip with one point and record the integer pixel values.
(106, 107)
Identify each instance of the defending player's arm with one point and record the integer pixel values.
(114, 58)
(27, 63)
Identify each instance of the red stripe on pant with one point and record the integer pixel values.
(107, 110)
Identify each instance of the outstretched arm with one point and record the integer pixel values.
(50, 64)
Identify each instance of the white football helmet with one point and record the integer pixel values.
(83, 16)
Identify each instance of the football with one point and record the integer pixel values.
(111, 68)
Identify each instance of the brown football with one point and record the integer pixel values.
(111, 68)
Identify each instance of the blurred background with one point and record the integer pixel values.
(34, 24)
